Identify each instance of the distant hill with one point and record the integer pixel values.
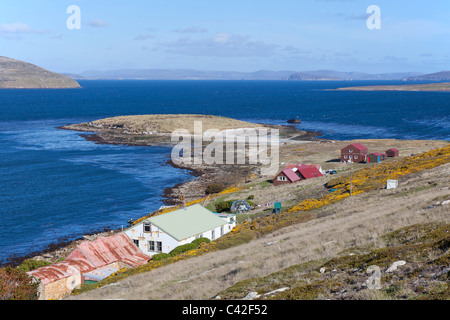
(191, 74)
(181, 74)
(337, 75)
(15, 74)
(437, 76)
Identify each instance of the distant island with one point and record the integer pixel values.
(191, 74)
(437, 76)
(441, 87)
(331, 75)
(16, 74)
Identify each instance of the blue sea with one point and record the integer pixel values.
(56, 186)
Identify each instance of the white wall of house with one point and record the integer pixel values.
(157, 241)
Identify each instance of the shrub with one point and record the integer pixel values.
(160, 256)
(29, 265)
(214, 188)
(251, 197)
(183, 248)
(15, 284)
(199, 241)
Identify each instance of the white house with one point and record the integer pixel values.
(167, 231)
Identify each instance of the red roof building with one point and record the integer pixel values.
(392, 152)
(309, 172)
(375, 157)
(295, 173)
(355, 152)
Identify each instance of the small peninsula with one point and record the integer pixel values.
(16, 74)
(156, 130)
(437, 87)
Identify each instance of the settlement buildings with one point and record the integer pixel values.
(93, 261)
(167, 231)
(294, 173)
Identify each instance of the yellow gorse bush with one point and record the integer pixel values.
(375, 177)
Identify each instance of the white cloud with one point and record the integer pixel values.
(98, 23)
(17, 29)
(144, 36)
(190, 30)
(222, 45)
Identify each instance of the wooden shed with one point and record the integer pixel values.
(375, 157)
(392, 152)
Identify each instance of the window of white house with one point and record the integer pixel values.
(147, 227)
(136, 242)
(159, 246)
(151, 246)
(221, 231)
(213, 236)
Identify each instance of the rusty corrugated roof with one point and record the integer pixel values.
(60, 270)
(107, 250)
(91, 255)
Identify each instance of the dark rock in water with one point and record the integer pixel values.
(294, 121)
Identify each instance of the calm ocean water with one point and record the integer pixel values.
(56, 186)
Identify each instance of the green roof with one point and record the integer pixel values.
(185, 223)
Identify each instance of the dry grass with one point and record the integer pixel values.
(357, 221)
(167, 123)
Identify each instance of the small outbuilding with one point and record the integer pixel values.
(392, 152)
(391, 184)
(375, 157)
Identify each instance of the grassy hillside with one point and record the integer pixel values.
(342, 234)
(15, 74)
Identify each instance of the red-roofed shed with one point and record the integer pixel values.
(375, 157)
(392, 152)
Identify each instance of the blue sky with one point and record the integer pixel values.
(245, 35)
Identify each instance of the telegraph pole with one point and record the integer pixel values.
(351, 176)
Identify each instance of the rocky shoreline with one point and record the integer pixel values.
(203, 175)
